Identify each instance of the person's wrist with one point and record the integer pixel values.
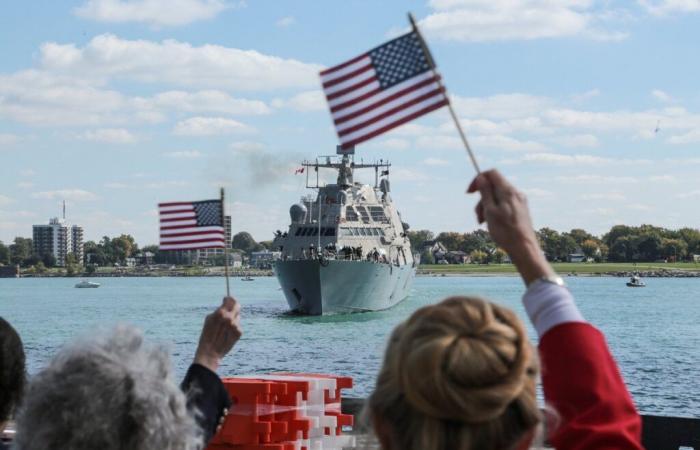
(530, 261)
(206, 359)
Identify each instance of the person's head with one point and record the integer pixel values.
(12, 371)
(107, 391)
(457, 375)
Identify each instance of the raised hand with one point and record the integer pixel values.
(221, 330)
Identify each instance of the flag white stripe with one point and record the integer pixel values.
(162, 209)
(209, 244)
(189, 230)
(346, 70)
(391, 119)
(177, 223)
(174, 239)
(185, 215)
(387, 106)
(353, 94)
(382, 95)
(350, 82)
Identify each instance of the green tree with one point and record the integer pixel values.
(21, 251)
(426, 257)
(549, 240)
(266, 244)
(623, 249)
(648, 247)
(123, 247)
(590, 248)
(498, 256)
(244, 241)
(580, 236)
(674, 249)
(691, 237)
(451, 240)
(48, 259)
(479, 257)
(40, 267)
(4, 254)
(418, 237)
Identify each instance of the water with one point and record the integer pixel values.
(653, 332)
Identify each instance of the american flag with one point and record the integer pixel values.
(382, 89)
(191, 225)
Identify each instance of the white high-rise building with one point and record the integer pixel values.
(58, 238)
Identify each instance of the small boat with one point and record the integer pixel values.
(635, 281)
(87, 284)
(247, 278)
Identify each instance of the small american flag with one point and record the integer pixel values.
(191, 225)
(382, 89)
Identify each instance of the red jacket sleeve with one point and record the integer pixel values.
(583, 384)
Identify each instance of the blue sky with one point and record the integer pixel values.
(117, 105)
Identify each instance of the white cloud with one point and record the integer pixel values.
(578, 140)
(205, 101)
(537, 192)
(690, 137)
(27, 172)
(507, 143)
(166, 184)
(435, 162)
(662, 96)
(108, 135)
(669, 179)
(689, 194)
(501, 106)
(285, 22)
(500, 20)
(390, 144)
(247, 146)
(666, 7)
(65, 194)
(8, 139)
(557, 158)
(115, 185)
(178, 63)
(25, 185)
(5, 200)
(185, 154)
(152, 12)
(210, 126)
(585, 96)
(612, 196)
(597, 179)
(303, 102)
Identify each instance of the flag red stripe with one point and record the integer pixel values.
(168, 247)
(191, 233)
(193, 241)
(179, 219)
(390, 112)
(178, 211)
(176, 227)
(384, 101)
(174, 204)
(348, 89)
(401, 121)
(355, 73)
(355, 100)
(345, 64)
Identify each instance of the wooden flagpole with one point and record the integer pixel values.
(226, 244)
(431, 62)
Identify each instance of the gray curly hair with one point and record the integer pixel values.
(107, 391)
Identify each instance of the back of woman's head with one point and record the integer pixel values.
(108, 391)
(458, 375)
(12, 370)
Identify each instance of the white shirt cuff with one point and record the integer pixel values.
(549, 305)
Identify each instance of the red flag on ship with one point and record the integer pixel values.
(299, 170)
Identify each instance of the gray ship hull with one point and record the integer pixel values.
(338, 286)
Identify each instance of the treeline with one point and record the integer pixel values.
(621, 244)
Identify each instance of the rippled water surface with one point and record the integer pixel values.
(654, 332)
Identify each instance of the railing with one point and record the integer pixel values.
(658, 432)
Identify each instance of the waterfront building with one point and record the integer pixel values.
(209, 254)
(264, 259)
(58, 239)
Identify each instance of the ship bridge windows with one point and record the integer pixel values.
(363, 212)
(350, 214)
(377, 214)
(360, 231)
(313, 231)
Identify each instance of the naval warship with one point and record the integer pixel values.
(346, 249)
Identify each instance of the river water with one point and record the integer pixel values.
(654, 332)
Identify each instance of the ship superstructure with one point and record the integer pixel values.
(346, 248)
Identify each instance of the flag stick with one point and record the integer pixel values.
(226, 244)
(429, 57)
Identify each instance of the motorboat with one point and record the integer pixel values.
(87, 284)
(635, 281)
(247, 278)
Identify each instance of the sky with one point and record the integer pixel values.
(592, 108)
